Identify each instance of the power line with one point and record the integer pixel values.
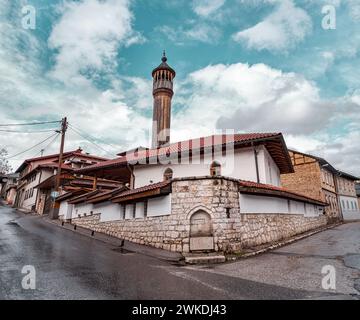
(15, 155)
(25, 132)
(48, 145)
(94, 138)
(28, 124)
(95, 144)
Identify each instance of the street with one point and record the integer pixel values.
(72, 266)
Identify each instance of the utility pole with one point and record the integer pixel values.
(55, 208)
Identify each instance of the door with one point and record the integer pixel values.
(48, 202)
(201, 233)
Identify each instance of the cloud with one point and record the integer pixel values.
(88, 36)
(285, 27)
(205, 8)
(193, 31)
(259, 98)
(105, 113)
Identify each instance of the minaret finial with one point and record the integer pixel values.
(164, 59)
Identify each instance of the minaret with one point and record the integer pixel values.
(163, 77)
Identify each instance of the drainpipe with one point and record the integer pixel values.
(37, 192)
(256, 164)
(336, 180)
(132, 178)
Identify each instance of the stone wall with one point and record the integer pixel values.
(250, 230)
(219, 197)
(306, 179)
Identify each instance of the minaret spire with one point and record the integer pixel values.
(163, 77)
(164, 59)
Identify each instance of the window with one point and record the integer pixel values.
(343, 204)
(145, 208)
(134, 210)
(168, 174)
(123, 211)
(215, 169)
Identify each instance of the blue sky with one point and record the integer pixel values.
(248, 65)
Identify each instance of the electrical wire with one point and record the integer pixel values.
(47, 146)
(94, 138)
(25, 132)
(15, 155)
(28, 124)
(92, 142)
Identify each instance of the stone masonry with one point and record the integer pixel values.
(216, 196)
(308, 179)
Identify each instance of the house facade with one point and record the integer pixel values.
(316, 178)
(35, 171)
(347, 196)
(8, 192)
(216, 193)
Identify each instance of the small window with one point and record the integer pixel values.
(215, 169)
(168, 174)
(289, 206)
(123, 211)
(134, 210)
(145, 208)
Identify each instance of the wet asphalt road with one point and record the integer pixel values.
(71, 266)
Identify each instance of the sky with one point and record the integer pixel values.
(247, 65)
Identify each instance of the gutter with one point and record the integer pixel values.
(38, 191)
(256, 163)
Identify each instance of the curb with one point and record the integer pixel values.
(282, 243)
(123, 244)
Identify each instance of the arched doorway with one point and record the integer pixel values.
(201, 232)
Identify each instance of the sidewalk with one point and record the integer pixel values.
(123, 244)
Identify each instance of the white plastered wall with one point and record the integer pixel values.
(266, 204)
(237, 165)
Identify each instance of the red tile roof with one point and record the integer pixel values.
(187, 145)
(283, 191)
(84, 197)
(149, 187)
(77, 152)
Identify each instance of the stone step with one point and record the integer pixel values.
(205, 259)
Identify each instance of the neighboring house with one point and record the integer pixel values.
(217, 193)
(8, 191)
(314, 177)
(70, 183)
(35, 171)
(347, 195)
(2, 183)
(357, 187)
